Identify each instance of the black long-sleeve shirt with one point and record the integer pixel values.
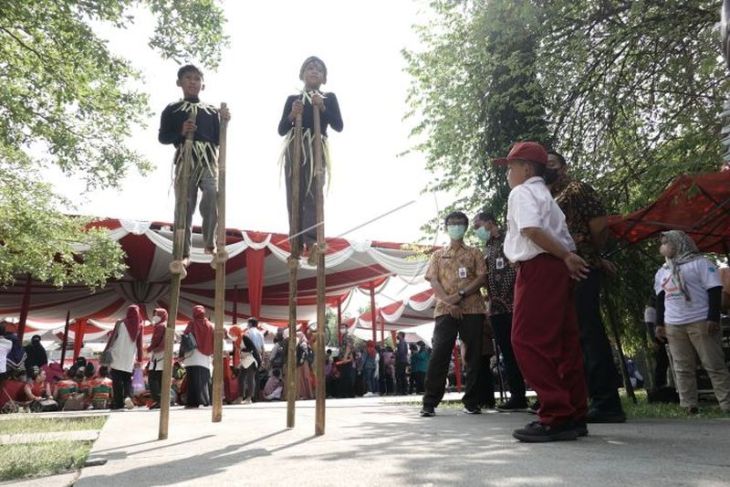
(331, 116)
(175, 114)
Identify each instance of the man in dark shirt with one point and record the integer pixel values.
(314, 74)
(587, 224)
(175, 125)
(401, 363)
(501, 288)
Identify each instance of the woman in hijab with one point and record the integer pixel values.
(688, 291)
(35, 355)
(197, 362)
(125, 344)
(304, 369)
(157, 351)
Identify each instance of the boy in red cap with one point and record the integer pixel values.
(545, 333)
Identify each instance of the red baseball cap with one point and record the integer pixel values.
(525, 151)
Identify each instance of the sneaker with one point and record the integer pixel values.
(512, 406)
(536, 432)
(596, 416)
(471, 410)
(427, 412)
(247, 401)
(128, 403)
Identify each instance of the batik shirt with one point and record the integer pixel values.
(501, 277)
(580, 204)
(455, 268)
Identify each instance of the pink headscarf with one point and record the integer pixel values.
(133, 321)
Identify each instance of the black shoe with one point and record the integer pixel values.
(512, 406)
(471, 410)
(596, 416)
(536, 432)
(580, 428)
(427, 412)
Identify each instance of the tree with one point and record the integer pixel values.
(66, 100)
(475, 91)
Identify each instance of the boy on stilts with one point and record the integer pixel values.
(314, 74)
(190, 115)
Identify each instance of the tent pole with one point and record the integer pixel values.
(65, 337)
(382, 330)
(221, 256)
(319, 352)
(373, 324)
(24, 307)
(235, 305)
(178, 273)
(339, 323)
(293, 264)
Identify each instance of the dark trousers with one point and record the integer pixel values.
(198, 386)
(485, 382)
(247, 382)
(307, 203)
(155, 379)
(502, 326)
(601, 375)
(470, 330)
(545, 339)
(121, 387)
(401, 380)
(419, 378)
(662, 365)
(371, 383)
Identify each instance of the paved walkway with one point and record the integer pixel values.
(374, 442)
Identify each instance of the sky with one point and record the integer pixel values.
(361, 44)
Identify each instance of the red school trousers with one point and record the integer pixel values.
(545, 339)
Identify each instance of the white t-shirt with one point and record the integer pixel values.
(5, 347)
(124, 350)
(698, 275)
(531, 205)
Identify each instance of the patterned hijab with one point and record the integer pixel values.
(685, 250)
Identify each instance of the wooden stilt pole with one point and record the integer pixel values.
(221, 256)
(319, 352)
(613, 323)
(293, 262)
(178, 272)
(65, 337)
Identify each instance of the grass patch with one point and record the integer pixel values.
(644, 410)
(30, 424)
(38, 459)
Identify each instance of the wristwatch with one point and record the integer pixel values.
(462, 294)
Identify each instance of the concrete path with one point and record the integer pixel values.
(373, 442)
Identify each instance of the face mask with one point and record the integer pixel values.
(483, 234)
(456, 232)
(551, 176)
(156, 319)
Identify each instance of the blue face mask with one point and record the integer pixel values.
(456, 232)
(483, 234)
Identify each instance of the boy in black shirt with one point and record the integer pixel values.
(314, 74)
(174, 127)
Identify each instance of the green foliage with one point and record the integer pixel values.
(66, 100)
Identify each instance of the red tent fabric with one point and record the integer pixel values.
(257, 278)
(696, 204)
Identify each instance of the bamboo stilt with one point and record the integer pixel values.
(319, 424)
(293, 262)
(221, 256)
(177, 271)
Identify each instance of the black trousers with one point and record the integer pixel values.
(198, 386)
(419, 378)
(470, 330)
(401, 380)
(155, 379)
(662, 365)
(601, 374)
(247, 382)
(121, 387)
(502, 326)
(485, 383)
(307, 202)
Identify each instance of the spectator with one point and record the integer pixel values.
(250, 362)
(688, 292)
(255, 335)
(197, 362)
(500, 286)
(99, 392)
(587, 224)
(5, 347)
(401, 363)
(125, 343)
(274, 386)
(65, 389)
(370, 363)
(419, 365)
(659, 348)
(15, 360)
(35, 354)
(37, 388)
(157, 356)
(345, 366)
(389, 370)
(305, 357)
(456, 273)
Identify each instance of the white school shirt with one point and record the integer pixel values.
(531, 205)
(124, 350)
(698, 275)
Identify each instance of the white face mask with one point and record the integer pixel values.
(156, 319)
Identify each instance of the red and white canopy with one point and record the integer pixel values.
(414, 311)
(257, 278)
